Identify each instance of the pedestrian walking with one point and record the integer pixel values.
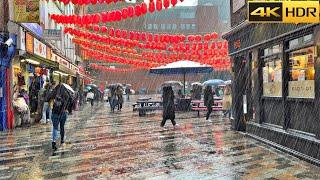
(90, 97)
(127, 91)
(61, 98)
(119, 93)
(227, 102)
(46, 106)
(168, 106)
(208, 100)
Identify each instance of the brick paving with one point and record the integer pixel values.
(122, 145)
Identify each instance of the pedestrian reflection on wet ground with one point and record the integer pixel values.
(104, 145)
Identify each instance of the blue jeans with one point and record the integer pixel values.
(56, 120)
(46, 107)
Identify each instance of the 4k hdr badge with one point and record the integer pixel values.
(283, 11)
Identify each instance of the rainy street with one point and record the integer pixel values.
(101, 144)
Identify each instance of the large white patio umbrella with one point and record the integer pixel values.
(182, 67)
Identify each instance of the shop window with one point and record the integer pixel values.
(168, 26)
(272, 72)
(301, 69)
(149, 26)
(163, 26)
(174, 26)
(155, 26)
(193, 26)
(182, 26)
(188, 26)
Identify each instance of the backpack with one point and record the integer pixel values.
(57, 105)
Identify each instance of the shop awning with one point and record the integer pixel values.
(43, 62)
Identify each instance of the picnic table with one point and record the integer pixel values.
(198, 105)
(145, 104)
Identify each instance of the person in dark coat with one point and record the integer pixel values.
(168, 106)
(62, 100)
(208, 100)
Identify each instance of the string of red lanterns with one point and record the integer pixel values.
(157, 57)
(87, 2)
(143, 36)
(111, 16)
(109, 69)
(182, 47)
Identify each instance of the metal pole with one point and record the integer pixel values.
(184, 84)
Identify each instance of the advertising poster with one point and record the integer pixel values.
(40, 49)
(26, 11)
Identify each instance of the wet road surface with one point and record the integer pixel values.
(122, 145)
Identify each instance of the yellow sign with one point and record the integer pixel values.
(29, 43)
(26, 11)
(284, 11)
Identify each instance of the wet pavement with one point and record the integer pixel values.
(122, 145)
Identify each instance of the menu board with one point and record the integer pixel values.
(26, 11)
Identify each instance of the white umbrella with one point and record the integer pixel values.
(68, 87)
(182, 67)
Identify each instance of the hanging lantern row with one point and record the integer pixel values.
(160, 61)
(159, 57)
(183, 47)
(86, 2)
(108, 69)
(143, 36)
(96, 55)
(111, 16)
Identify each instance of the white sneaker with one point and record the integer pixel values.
(42, 122)
(209, 120)
(176, 126)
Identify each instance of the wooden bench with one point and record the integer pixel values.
(145, 109)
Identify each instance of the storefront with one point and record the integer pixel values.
(276, 94)
(32, 61)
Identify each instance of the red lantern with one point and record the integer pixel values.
(151, 6)
(214, 35)
(166, 3)
(93, 1)
(137, 10)
(174, 2)
(124, 13)
(159, 5)
(144, 8)
(118, 15)
(111, 32)
(130, 11)
(191, 38)
(96, 28)
(74, 1)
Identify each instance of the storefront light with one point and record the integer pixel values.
(30, 61)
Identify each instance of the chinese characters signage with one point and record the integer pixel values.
(26, 11)
(29, 43)
(52, 34)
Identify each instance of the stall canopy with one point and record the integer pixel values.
(182, 67)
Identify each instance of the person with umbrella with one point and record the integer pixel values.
(168, 106)
(62, 96)
(208, 100)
